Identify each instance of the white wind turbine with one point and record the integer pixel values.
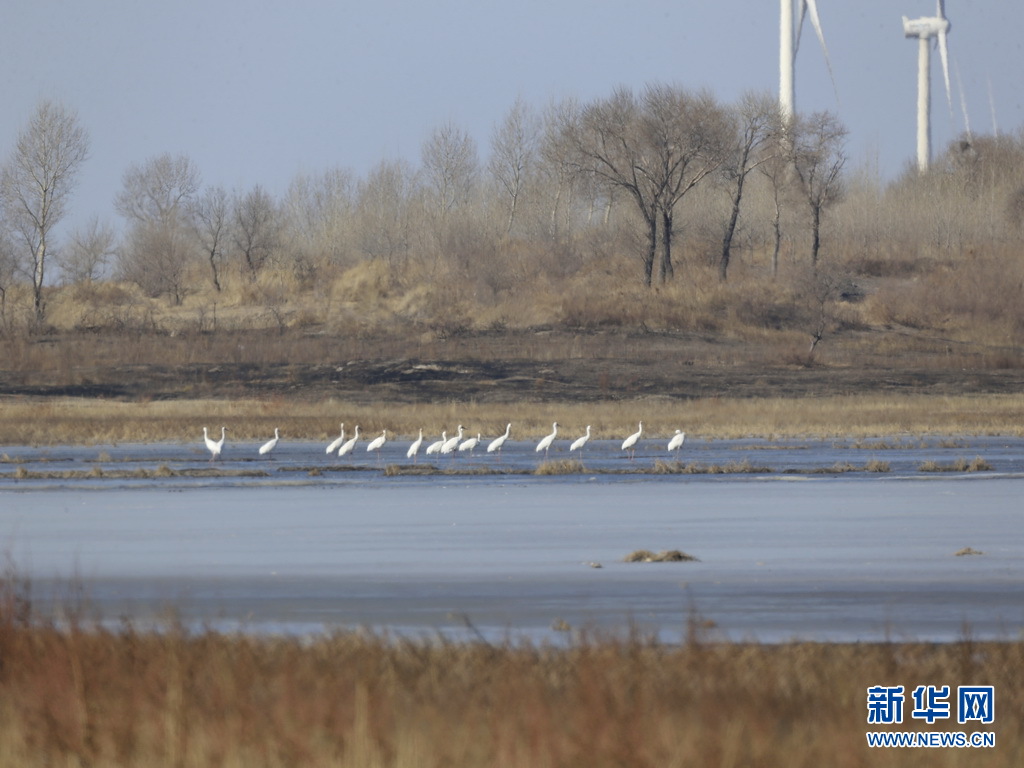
(924, 29)
(789, 42)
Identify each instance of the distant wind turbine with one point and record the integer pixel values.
(789, 42)
(924, 29)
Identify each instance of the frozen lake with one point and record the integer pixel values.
(783, 553)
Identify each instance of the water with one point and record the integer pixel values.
(783, 553)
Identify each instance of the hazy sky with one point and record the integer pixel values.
(256, 92)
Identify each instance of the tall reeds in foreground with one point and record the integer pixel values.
(80, 694)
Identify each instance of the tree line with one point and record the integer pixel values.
(642, 171)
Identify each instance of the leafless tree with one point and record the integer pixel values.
(161, 189)
(257, 228)
(758, 126)
(155, 257)
(450, 167)
(156, 199)
(557, 163)
(687, 136)
(8, 268)
(656, 149)
(37, 181)
(776, 170)
(210, 215)
(514, 148)
(606, 142)
(319, 217)
(818, 291)
(818, 158)
(383, 202)
(88, 251)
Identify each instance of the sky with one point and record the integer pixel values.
(257, 92)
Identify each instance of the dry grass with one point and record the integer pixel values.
(665, 556)
(85, 696)
(56, 421)
(978, 464)
(560, 467)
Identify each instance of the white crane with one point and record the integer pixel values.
(470, 444)
(677, 440)
(350, 445)
(435, 447)
(496, 443)
(377, 443)
(214, 446)
(546, 442)
(629, 444)
(452, 442)
(415, 447)
(788, 45)
(924, 29)
(579, 442)
(336, 443)
(271, 444)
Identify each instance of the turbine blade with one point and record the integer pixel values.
(992, 108)
(812, 6)
(944, 53)
(963, 99)
(799, 26)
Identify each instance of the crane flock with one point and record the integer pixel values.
(447, 445)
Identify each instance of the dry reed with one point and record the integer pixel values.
(55, 421)
(80, 694)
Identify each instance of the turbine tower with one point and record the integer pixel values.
(924, 29)
(789, 42)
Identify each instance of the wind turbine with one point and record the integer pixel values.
(788, 45)
(924, 29)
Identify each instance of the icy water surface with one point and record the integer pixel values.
(311, 545)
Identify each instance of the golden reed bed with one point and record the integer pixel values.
(55, 421)
(80, 695)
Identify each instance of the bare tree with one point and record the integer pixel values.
(156, 199)
(686, 136)
(558, 167)
(656, 149)
(818, 291)
(319, 216)
(257, 228)
(8, 268)
(758, 125)
(818, 158)
(158, 190)
(89, 249)
(210, 217)
(383, 211)
(514, 148)
(606, 142)
(776, 170)
(156, 258)
(450, 165)
(37, 181)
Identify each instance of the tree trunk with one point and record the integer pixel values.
(652, 249)
(37, 281)
(816, 239)
(776, 235)
(730, 230)
(667, 272)
(216, 276)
